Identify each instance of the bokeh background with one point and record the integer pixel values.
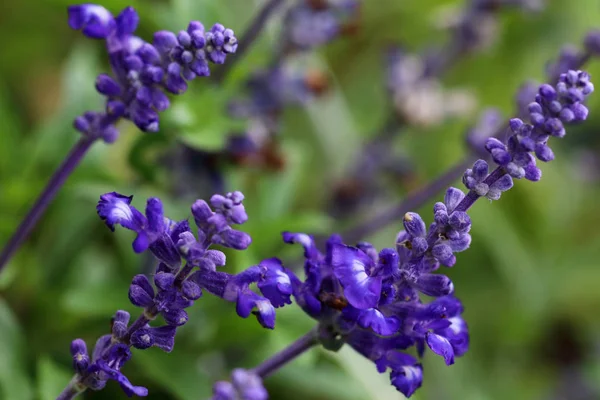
(530, 282)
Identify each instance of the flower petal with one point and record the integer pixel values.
(440, 346)
(350, 266)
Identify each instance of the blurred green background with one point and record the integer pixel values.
(529, 283)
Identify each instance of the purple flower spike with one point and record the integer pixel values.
(93, 20)
(352, 267)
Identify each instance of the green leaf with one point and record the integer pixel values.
(14, 382)
(51, 378)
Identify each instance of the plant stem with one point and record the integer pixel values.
(45, 198)
(248, 38)
(272, 364)
(72, 390)
(412, 202)
(140, 322)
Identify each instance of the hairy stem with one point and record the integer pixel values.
(73, 389)
(272, 364)
(45, 198)
(140, 322)
(249, 37)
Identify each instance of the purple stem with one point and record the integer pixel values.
(472, 197)
(272, 364)
(248, 38)
(412, 202)
(37, 210)
(139, 323)
(72, 390)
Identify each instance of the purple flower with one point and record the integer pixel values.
(554, 107)
(154, 231)
(81, 359)
(162, 337)
(107, 363)
(142, 73)
(93, 20)
(275, 283)
(110, 368)
(245, 385)
(407, 379)
(354, 268)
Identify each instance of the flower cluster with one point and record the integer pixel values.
(176, 285)
(554, 106)
(312, 23)
(143, 73)
(370, 299)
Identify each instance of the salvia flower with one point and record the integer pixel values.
(175, 285)
(371, 300)
(106, 364)
(143, 73)
(554, 107)
(244, 385)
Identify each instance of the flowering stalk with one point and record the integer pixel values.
(176, 286)
(418, 98)
(45, 198)
(490, 125)
(141, 74)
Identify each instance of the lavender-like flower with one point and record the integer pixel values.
(142, 74)
(371, 300)
(175, 286)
